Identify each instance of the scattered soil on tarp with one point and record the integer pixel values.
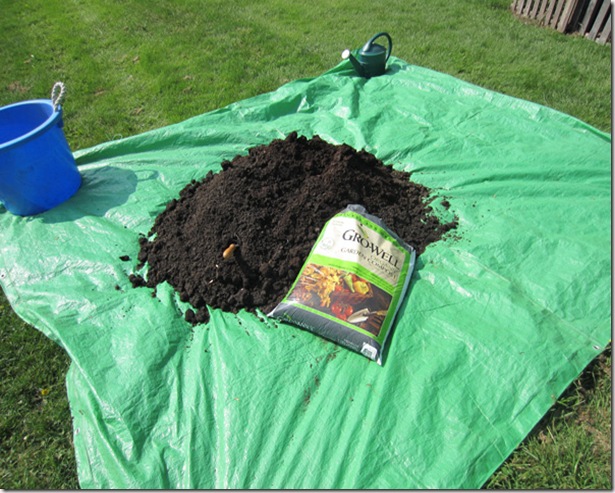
(272, 204)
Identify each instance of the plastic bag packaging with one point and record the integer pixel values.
(352, 283)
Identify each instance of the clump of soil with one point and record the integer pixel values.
(272, 204)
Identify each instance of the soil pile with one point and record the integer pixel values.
(272, 204)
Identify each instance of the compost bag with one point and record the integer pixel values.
(352, 283)
(501, 314)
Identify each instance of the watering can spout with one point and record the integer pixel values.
(346, 55)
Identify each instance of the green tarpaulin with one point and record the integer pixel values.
(499, 319)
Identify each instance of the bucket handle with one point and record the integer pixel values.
(57, 94)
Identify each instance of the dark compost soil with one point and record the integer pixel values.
(272, 203)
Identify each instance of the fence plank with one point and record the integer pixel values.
(526, 8)
(604, 10)
(606, 32)
(535, 9)
(566, 16)
(549, 13)
(570, 16)
(575, 20)
(557, 13)
(540, 16)
(518, 6)
(589, 13)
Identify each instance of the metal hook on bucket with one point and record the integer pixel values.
(57, 98)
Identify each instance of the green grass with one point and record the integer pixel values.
(35, 423)
(570, 448)
(135, 65)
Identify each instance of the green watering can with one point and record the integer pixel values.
(372, 58)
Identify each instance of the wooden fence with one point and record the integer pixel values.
(590, 18)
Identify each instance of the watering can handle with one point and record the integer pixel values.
(376, 36)
(57, 94)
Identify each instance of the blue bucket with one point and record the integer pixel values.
(37, 168)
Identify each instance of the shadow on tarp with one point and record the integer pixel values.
(102, 189)
(403, 307)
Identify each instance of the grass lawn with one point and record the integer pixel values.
(135, 65)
